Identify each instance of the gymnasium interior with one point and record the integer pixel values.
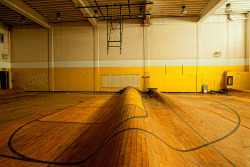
(128, 83)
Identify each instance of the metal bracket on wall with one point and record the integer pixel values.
(145, 76)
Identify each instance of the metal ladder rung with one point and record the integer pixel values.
(115, 46)
(116, 28)
(114, 41)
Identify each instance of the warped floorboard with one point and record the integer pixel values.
(128, 129)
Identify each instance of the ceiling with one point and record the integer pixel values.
(237, 6)
(49, 9)
(166, 8)
(129, 10)
(9, 16)
(70, 13)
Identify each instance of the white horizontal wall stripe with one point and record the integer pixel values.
(190, 62)
(221, 62)
(248, 61)
(5, 65)
(30, 65)
(136, 63)
(125, 63)
(74, 64)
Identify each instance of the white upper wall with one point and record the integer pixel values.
(248, 39)
(168, 39)
(73, 42)
(173, 39)
(219, 34)
(132, 43)
(29, 44)
(5, 47)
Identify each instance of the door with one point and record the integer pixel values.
(4, 78)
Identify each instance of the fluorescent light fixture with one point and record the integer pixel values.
(58, 16)
(228, 8)
(183, 11)
(141, 14)
(95, 13)
(22, 20)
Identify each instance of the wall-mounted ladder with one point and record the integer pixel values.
(114, 29)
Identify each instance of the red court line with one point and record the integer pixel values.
(227, 118)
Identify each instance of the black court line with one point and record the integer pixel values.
(68, 122)
(105, 141)
(210, 143)
(43, 116)
(25, 158)
(77, 139)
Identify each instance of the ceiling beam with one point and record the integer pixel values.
(86, 11)
(129, 9)
(25, 10)
(148, 10)
(211, 7)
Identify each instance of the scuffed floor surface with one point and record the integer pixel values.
(128, 129)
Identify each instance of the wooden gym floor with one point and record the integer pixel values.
(128, 129)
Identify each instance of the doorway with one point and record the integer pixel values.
(4, 79)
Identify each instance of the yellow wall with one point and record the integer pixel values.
(240, 80)
(20, 76)
(177, 54)
(173, 79)
(214, 76)
(74, 79)
(119, 71)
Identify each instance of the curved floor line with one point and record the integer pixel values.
(237, 126)
(217, 113)
(23, 157)
(224, 137)
(105, 141)
(67, 122)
